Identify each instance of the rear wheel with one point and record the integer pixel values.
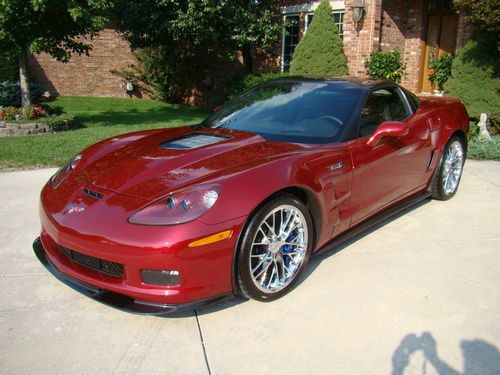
(275, 249)
(450, 170)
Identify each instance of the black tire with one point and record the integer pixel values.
(253, 289)
(439, 187)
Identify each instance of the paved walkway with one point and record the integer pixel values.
(419, 294)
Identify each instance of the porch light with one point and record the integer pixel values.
(358, 11)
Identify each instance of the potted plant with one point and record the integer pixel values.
(440, 71)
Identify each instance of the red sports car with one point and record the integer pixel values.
(168, 219)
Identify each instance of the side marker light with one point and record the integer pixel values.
(211, 239)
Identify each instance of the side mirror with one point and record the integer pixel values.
(388, 129)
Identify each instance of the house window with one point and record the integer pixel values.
(338, 18)
(290, 40)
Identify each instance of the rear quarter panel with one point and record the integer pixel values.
(445, 117)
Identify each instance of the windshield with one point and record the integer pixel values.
(291, 111)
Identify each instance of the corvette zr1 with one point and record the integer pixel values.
(168, 219)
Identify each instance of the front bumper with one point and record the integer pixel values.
(117, 300)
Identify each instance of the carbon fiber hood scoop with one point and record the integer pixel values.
(193, 141)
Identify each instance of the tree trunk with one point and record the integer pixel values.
(247, 58)
(23, 78)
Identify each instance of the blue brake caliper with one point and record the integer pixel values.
(287, 249)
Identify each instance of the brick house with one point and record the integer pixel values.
(420, 29)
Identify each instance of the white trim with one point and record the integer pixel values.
(335, 11)
(311, 7)
(283, 47)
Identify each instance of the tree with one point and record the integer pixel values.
(484, 14)
(320, 52)
(205, 28)
(9, 68)
(52, 26)
(193, 36)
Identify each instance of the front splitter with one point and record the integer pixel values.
(117, 300)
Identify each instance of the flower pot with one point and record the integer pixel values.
(437, 92)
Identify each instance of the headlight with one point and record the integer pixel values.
(177, 208)
(64, 171)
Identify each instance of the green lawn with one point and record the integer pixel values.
(101, 118)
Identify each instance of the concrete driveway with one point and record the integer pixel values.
(416, 295)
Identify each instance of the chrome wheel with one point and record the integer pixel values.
(278, 249)
(452, 167)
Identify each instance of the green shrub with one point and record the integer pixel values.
(320, 52)
(241, 82)
(10, 93)
(440, 70)
(479, 149)
(475, 79)
(60, 123)
(9, 69)
(386, 65)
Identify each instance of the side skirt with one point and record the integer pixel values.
(365, 225)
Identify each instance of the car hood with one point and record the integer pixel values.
(156, 164)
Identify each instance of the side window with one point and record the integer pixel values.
(385, 104)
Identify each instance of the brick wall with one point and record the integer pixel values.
(362, 39)
(402, 27)
(86, 75)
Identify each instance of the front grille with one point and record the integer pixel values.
(100, 265)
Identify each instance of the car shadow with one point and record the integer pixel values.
(236, 300)
(479, 356)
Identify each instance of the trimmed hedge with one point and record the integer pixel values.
(320, 52)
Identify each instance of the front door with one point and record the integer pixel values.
(442, 27)
(395, 166)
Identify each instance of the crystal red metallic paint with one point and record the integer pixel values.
(90, 208)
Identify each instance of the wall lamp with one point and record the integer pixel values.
(358, 11)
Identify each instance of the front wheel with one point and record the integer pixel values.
(450, 170)
(275, 249)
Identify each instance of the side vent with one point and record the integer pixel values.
(431, 159)
(93, 194)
